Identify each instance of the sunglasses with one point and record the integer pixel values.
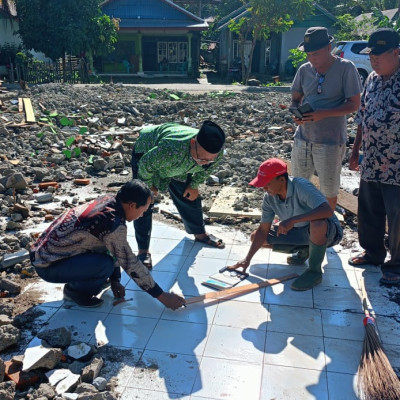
(321, 79)
(200, 160)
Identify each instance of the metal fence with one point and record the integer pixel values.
(75, 71)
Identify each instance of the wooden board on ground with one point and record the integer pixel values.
(29, 114)
(223, 204)
(20, 105)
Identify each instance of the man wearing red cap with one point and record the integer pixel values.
(307, 224)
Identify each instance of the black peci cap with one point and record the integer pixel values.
(211, 137)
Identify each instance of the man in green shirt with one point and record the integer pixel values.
(178, 158)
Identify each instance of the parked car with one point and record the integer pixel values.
(351, 51)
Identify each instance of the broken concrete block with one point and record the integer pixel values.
(41, 357)
(79, 351)
(91, 371)
(70, 396)
(11, 259)
(97, 396)
(57, 375)
(68, 384)
(44, 197)
(16, 181)
(44, 391)
(9, 286)
(9, 335)
(60, 337)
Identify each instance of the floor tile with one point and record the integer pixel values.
(127, 331)
(221, 232)
(203, 250)
(203, 265)
(200, 313)
(165, 371)
(167, 262)
(338, 299)
(393, 354)
(134, 393)
(241, 314)
(343, 356)
(227, 379)
(235, 344)
(165, 279)
(282, 294)
(295, 320)
(239, 252)
(342, 325)
(336, 277)
(81, 324)
(172, 246)
(342, 386)
(51, 294)
(294, 351)
(190, 284)
(139, 304)
(286, 383)
(379, 299)
(178, 337)
(389, 329)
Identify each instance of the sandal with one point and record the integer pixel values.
(361, 259)
(212, 241)
(146, 260)
(390, 279)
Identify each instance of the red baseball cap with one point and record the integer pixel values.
(268, 170)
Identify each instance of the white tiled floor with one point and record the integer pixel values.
(274, 343)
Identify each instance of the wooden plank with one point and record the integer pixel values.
(239, 290)
(20, 105)
(223, 204)
(29, 114)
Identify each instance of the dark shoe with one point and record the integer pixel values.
(307, 280)
(298, 258)
(146, 260)
(390, 279)
(81, 299)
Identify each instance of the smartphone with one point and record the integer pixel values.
(303, 109)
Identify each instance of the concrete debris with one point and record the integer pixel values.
(60, 337)
(9, 336)
(41, 357)
(79, 351)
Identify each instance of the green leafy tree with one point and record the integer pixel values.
(61, 27)
(264, 17)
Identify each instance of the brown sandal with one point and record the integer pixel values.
(212, 241)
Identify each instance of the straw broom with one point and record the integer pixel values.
(376, 378)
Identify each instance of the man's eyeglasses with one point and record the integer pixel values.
(200, 160)
(321, 79)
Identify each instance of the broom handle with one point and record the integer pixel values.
(238, 291)
(364, 298)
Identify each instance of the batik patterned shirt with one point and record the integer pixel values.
(166, 156)
(379, 117)
(99, 227)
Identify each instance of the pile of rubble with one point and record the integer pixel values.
(77, 147)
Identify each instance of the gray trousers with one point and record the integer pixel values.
(376, 201)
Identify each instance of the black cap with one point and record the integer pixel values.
(211, 137)
(315, 38)
(381, 40)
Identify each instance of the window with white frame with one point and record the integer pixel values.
(173, 52)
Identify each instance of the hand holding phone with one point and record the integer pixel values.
(300, 111)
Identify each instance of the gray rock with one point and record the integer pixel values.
(85, 388)
(44, 390)
(16, 181)
(41, 357)
(10, 286)
(100, 383)
(40, 173)
(11, 259)
(60, 337)
(99, 164)
(91, 371)
(79, 351)
(9, 336)
(7, 390)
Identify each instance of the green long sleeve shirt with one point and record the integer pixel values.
(166, 155)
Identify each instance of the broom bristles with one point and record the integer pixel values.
(376, 377)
